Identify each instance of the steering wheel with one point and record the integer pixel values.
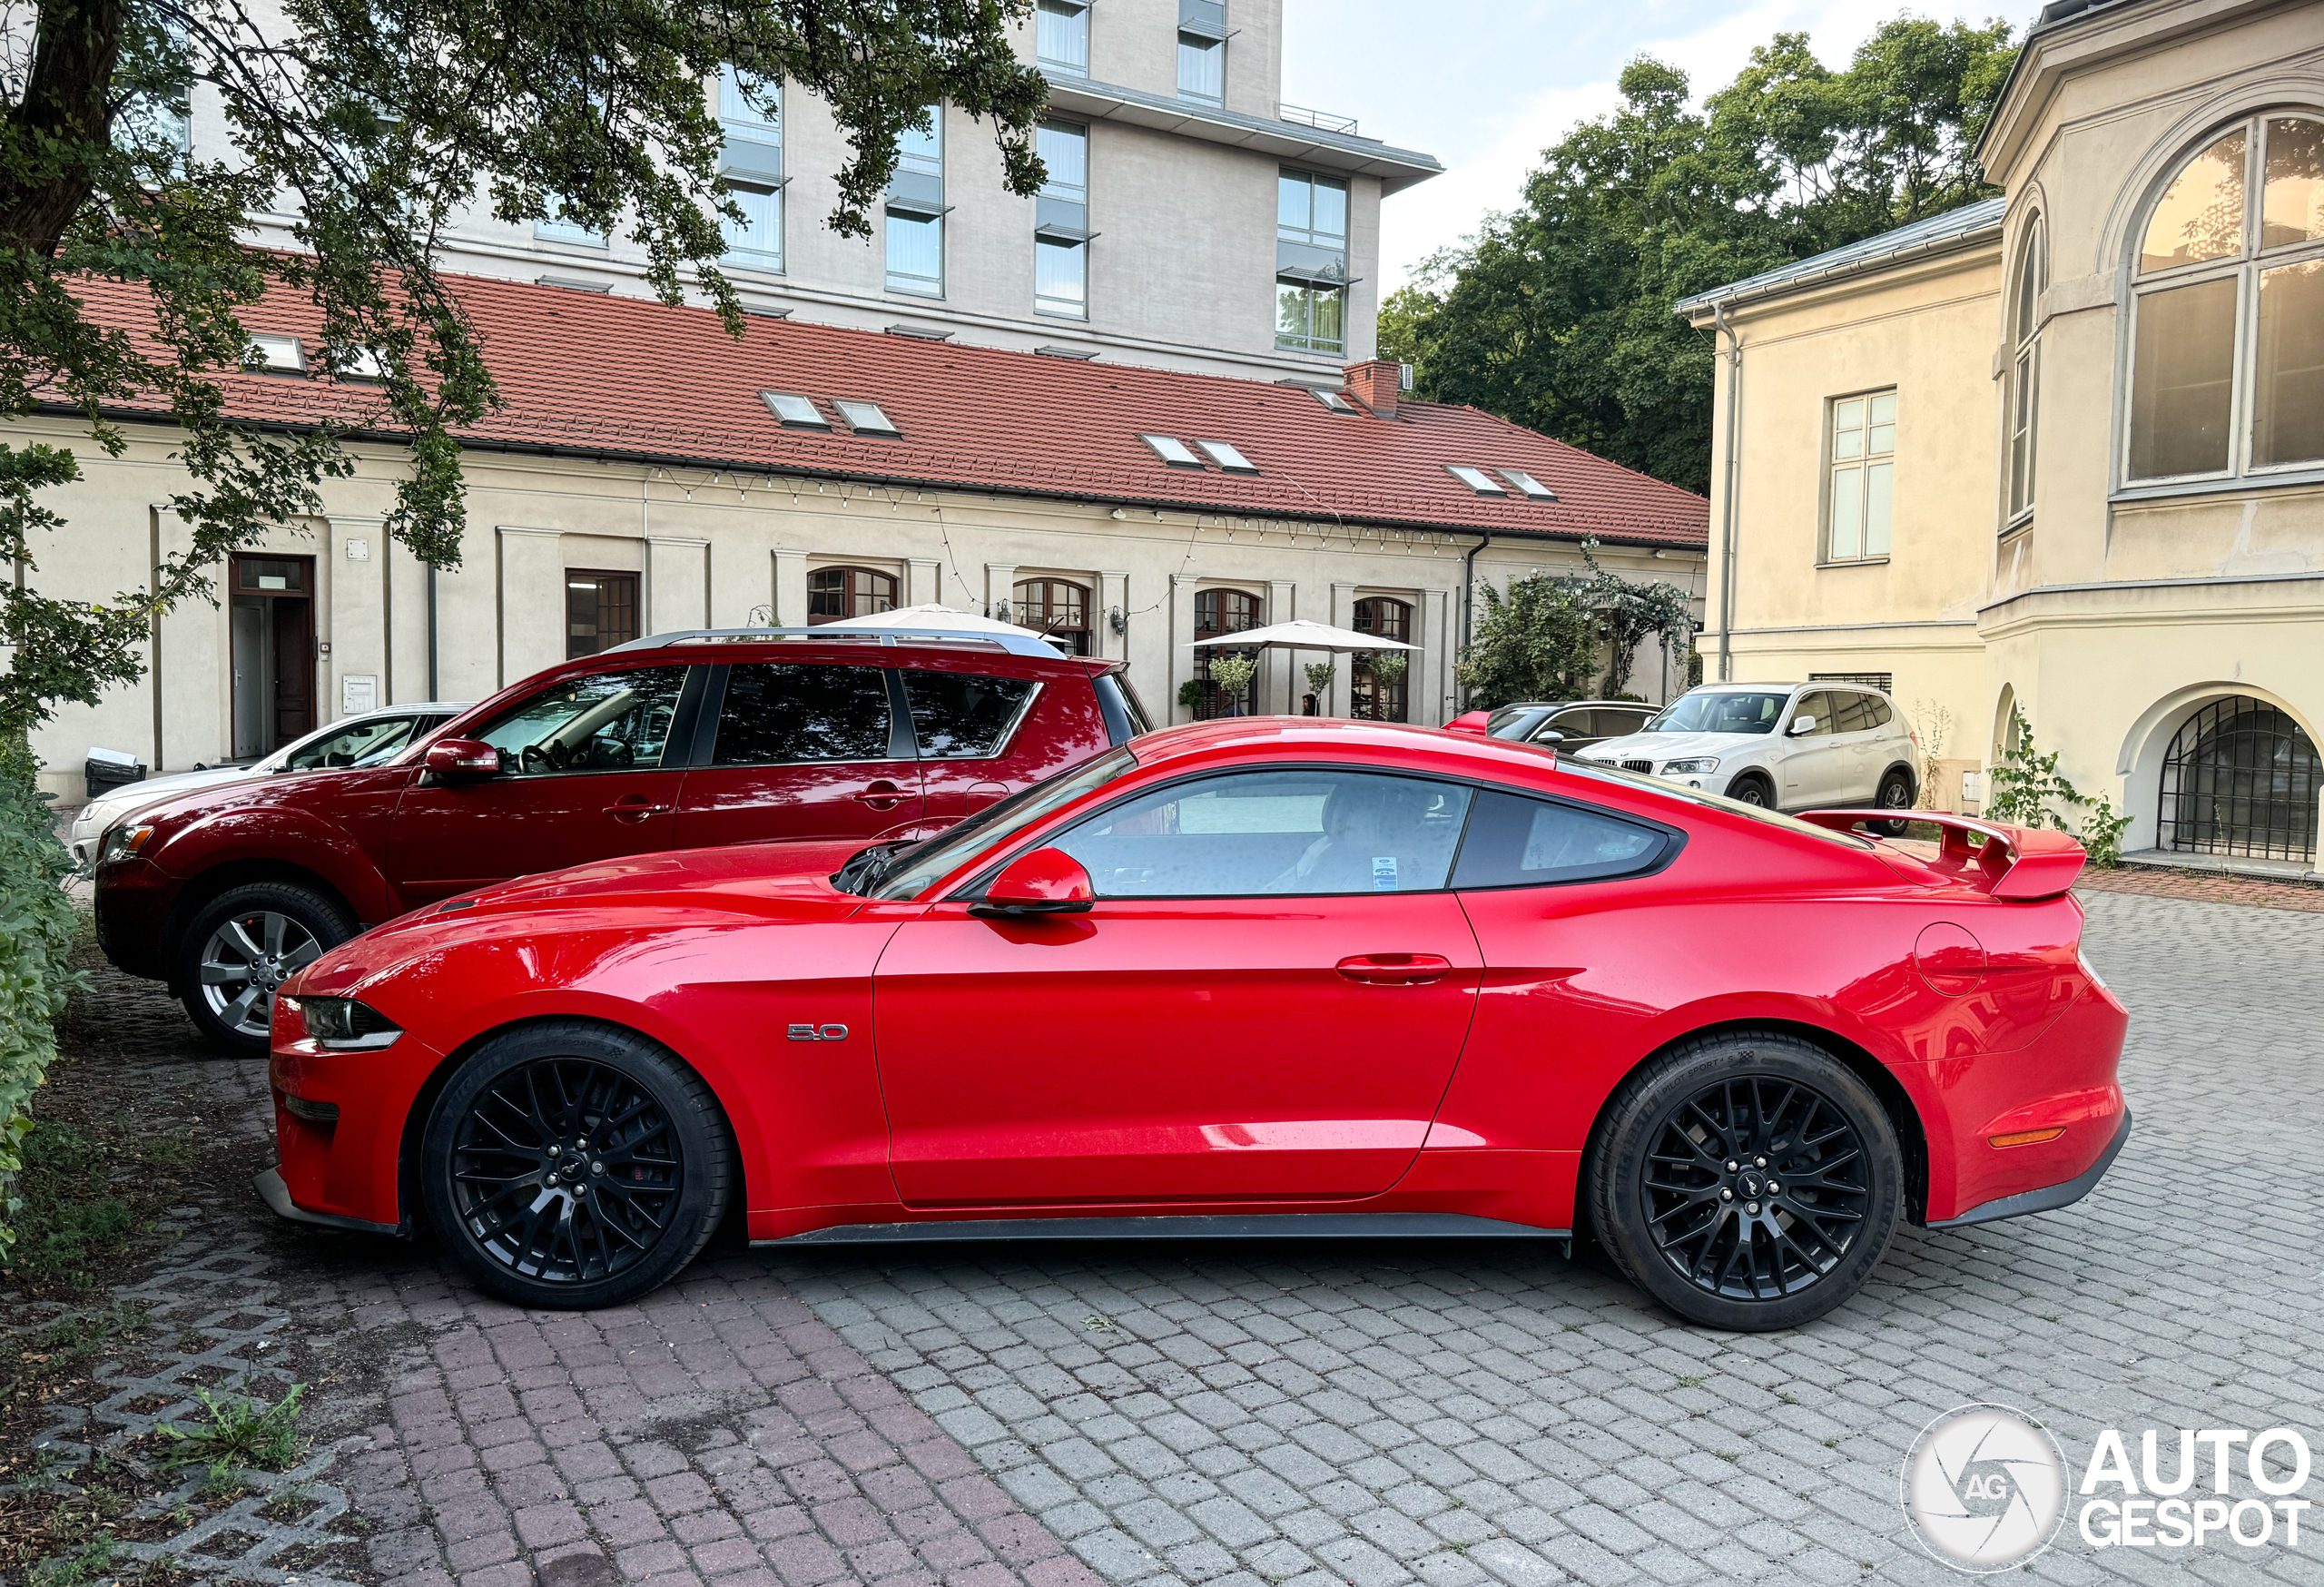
(537, 752)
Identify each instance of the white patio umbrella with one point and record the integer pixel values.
(940, 619)
(1303, 633)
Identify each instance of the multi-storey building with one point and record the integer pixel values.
(1191, 220)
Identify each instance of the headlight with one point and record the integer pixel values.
(344, 1025)
(122, 841)
(1700, 764)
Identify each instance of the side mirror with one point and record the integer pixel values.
(1046, 882)
(462, 759)
(1802, 725)
(1550, 736)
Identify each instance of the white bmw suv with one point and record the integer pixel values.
(1783, 746)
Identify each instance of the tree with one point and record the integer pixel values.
(375, 123)
(1538, 642)
(1558, 315)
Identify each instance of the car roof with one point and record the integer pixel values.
(1226, 740)
(945, 642)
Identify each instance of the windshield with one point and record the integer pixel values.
(914, 871)
(1508, 716)
(1721, 711)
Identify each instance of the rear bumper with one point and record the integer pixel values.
(2048, 1198)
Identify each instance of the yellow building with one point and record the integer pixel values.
(2064, 451)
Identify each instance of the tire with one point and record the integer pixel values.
(1669, 1211)
(1752, 789)
(1896, 792)
(523, 1114)
(243, 944)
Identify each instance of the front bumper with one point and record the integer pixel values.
(277, 1196)
(2048, 1198)
(134, 897)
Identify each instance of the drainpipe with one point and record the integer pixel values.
(1468, 601)
(433, 692)
(1726, 503)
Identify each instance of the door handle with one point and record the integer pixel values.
(1395, 968)
(635, 807)
(881, 795)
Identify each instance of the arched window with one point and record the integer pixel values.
(1224, 611)
(2227, 364)
(1377, 682)
(2025, 386)
(833, 592)
(1058, 608)
(2242, 778)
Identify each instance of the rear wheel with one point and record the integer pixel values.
(1895, 794)
(247, 943)
(1751, 788)
(574, 1165)
(1747, 1181)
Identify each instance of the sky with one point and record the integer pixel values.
(1485, 85)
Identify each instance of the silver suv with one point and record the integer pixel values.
(1783, 746)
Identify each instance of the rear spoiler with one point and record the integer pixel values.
(2017, 863)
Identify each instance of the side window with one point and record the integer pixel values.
(1573, 723)
(1881, 715)
(1515, 841)
(959, 717)
(1851, 713)
(603, 722)
(363, 744)
(1817, 704)
(779, 712)
(1247, 834)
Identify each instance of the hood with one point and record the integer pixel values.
(119, 802)
(1658, 747)
(746, 884)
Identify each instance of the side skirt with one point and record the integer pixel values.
(1328, 1226)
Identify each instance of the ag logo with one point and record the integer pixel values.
(1985, 1488)
(819, 1033)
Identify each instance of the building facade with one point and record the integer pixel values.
(1191, 219)
(649, 474)
(2062, 454)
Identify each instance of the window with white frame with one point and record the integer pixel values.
(1061, 37)
(1311, 263)
(558, 226)
(1864, 477)
(1061, 222)
(749, 114)
(2025, 372)
(1202, 51)
(2227, 302)
(916, 211)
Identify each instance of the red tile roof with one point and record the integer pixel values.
(594, 375)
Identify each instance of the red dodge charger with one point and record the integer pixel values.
(1252, 977)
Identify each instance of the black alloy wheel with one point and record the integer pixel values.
(1748, 1181)
(574, 1165)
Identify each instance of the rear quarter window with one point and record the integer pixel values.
(1514, 841)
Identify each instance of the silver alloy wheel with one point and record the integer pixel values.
(245, 960)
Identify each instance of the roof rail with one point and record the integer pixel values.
(1012, 644)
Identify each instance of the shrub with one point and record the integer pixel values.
(37, 922)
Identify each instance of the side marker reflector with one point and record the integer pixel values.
(2027, 1136)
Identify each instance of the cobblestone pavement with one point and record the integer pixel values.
(2213, 886)
(1368, 1414)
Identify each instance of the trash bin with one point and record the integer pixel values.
(107, 769)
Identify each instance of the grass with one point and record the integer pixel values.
(239, 1432)
(92, 1559)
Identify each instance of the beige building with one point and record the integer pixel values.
(2064, 451)
(649, 474)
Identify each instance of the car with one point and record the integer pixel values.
(1570, 725)
(1780, 746)
(1252, 977)
(365, 739)
(679, 741)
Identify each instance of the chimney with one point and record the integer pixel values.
(1375, 384)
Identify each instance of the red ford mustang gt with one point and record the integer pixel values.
(1259, 976)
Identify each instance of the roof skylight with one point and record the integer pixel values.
(1336, 401)
(1172, 450)
(795, 411)
(1533, 490)
(865, 418)
(1476, 479)
(280, 354)
(1228, 457)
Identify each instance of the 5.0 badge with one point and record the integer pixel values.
(819, 1033)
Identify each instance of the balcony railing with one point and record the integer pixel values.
(1322, 121)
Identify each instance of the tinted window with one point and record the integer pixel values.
(1125, 717)
(1881, 715)
(1851, 713)
(605, 722)
(777, 712)
(1819, 706)
(1251, 833)
(1574, 724)
(1515, 841)
(361, 743)
(961, 718)
(1621, 724)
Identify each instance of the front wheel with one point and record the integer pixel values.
(1747, 1181)
(1754, 790)
(244, 944)
(574, 1165)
